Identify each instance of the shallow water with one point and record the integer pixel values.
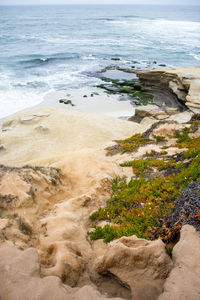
(50, 48)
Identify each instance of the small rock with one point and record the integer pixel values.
(31, 118)
(181, 118)
(9, 125)
(115, 58)
(171, 110)
(151, 111)
(42, 129)
(147, 121)
(3, 223)
(2, 147)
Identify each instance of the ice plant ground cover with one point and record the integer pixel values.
(143, 205)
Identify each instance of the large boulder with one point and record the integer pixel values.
(183, 282)
(139, 264)
(150, 111)
(20, 279)
(182, 117)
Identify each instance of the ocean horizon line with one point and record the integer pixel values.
(105, 4)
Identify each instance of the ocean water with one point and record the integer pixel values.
(48, 48)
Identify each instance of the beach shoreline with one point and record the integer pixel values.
(90, 100)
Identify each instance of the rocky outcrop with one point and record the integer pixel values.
(20, 279)
(20, 187)
(137, 264)
(183, 281)
(183, 84)
(150, 111)
(150, 114)
(140, 264)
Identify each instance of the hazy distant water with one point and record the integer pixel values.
(45, 48)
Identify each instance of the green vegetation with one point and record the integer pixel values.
(130, 87)
(142, 205)
(142, 165)
(137, 140)
(106, 79)
(65, 101)
(94, 94)
(183, 135)
(134, 91)
(127, 90)
(159, 138)
(132, 143)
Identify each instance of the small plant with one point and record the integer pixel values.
(198, 214)
(182, 136)
(107, 233)
(94, 94)
(159, 138)
(169, 251)
(65, 101)
(191, 153)
(152, 153)
(127, 90)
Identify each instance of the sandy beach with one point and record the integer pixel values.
(88, 100)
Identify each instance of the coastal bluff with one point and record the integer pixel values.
(56, 170)
(183, 82)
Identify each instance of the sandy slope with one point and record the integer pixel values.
(42, 136)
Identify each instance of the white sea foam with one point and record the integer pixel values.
(196, 56)
(88, 57)
(13, 100)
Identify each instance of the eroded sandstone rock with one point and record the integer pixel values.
(182, 117)
(182, 82)
(19, 187)
(150, 111)
(140, 264)
(20, 279)
(183, 282)
(24, 194)
(171, 110)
